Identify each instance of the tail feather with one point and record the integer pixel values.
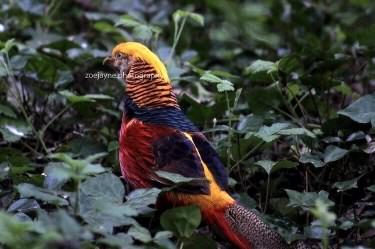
(253, 229)
(218, 221)
(244, 229)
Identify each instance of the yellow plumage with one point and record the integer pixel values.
(142, 52)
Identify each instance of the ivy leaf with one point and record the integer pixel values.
(313, 159)
(101, 203)
(119, 240)
(306, 200)
(267, 165)
(271, 166)
(371, 188)
(107, 187)
(362, 110)
(140, 233)
(182, 221)
(173, 177)
(141, 199)
(27, 190)
(333, 153)
(270, 133)
(346, 185)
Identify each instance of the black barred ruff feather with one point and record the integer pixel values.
(167, 116)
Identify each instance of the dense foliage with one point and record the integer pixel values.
(283, 89)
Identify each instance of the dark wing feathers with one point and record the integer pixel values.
(211, 159)
(176, 154)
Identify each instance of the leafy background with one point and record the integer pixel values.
(283, 89)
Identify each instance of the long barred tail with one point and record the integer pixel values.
(247, 231)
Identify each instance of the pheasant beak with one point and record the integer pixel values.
(109, 60)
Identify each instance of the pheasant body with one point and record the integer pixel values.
(155, 135)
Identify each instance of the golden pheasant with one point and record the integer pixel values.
(156, 135)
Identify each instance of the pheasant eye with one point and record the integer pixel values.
(118, 55)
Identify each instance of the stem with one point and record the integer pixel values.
(229, 131)
(267, 193)
(176, 38)
(298, 103)
(54, 119)
(17, 97)
(77, 198)
(325, 240)
(289, 106)
(247, 155)
(27, 118)
(315, 106)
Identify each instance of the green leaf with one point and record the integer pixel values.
(333, 153)
(320, 211)
(198, 241)
(207, 76)
(306, 200)
(8, 46)
(313, 159)
(13, 130)
(261, 70)
(179, 14)
(128, 21)
(173, 177)
(7, 111)
(107, 187)
(56, 175)
(289, 64)
(344, 89)
(12, 230)
(284, 164)
(105, 27)
(140, 233)
(261, 66)
(225, 86)
(61, 222)
(297, 131)
(84, 98)
(182, 221)
(222, 85)
(346, 185)
(270, 133)
(24, 206)
(101, 203)
(4, 170)
(267, 165)
(262, 100)
(141, 199)
(271, 166)
(27, 190)
(371, 188)
(120, 240)
(362, 110)
(79, 169)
